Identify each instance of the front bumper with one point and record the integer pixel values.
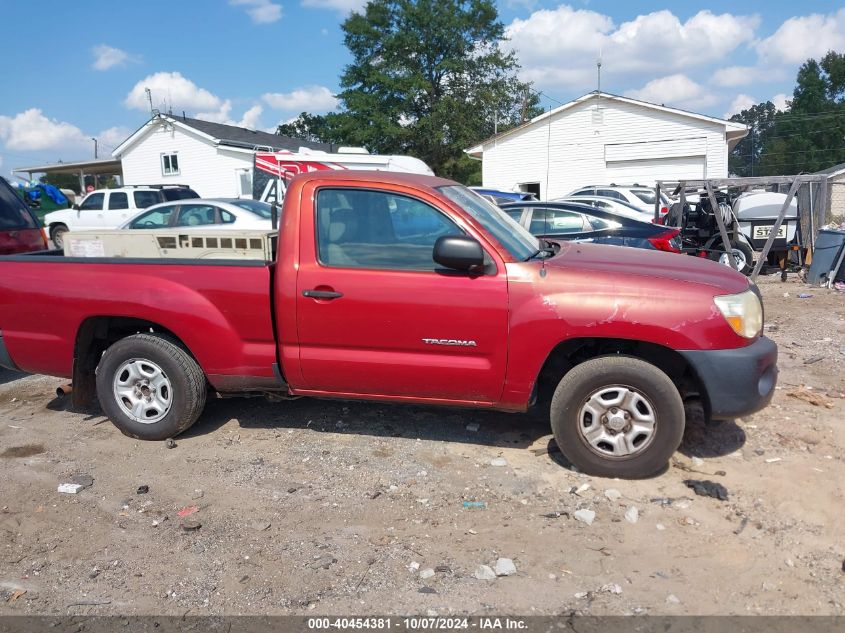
(737, 382)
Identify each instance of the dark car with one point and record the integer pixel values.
(19, 229)
(573, 221)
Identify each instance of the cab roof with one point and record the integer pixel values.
(367, 175)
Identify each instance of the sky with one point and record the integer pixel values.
(77, 71)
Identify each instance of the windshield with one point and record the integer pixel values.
(647, 195)
(510, 234)
(254, 206)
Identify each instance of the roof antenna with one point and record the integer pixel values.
(598, 71)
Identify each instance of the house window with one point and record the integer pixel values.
(170, 164)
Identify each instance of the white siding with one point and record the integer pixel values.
(573, 148)
(211, 171)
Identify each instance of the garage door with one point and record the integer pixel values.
(646, 172)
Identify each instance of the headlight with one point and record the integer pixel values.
(743, 312)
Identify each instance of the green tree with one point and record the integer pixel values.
(428, 78)
(760, 120)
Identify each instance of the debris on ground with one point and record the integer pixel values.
(260, 526)
(580, 489)
(774, 460)
(672, 599)
(70, 489)
(484, 572)
(612, 494)
(475, 505)
(187, 511)
(498, 461)
(585, 516)
(813, 360)
(611, 588)
(505, 567)
(632, 515)
(802, 392)
(555, 515)
(190, 526)
(15, 595)
(427, 573)
(426, 590)
(86, 481)
(805, 295)
(707, 488)
(142, 490)
(170, 443)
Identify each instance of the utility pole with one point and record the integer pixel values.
(598, 71)
(753, 125)
(95, 147)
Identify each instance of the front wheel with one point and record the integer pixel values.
(149, 387)
(57, 234)
(617, 416)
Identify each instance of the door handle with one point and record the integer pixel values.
(322, 294)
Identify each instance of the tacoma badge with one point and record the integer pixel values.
(449, 341)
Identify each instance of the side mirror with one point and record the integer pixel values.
(458, 252)
(75, 207)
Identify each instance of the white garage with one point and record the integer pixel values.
(602, 139)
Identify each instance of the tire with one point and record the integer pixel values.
(650, 394)
(57, 233)
(741, 251)
(175, 387)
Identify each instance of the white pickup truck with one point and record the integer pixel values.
(109, 208)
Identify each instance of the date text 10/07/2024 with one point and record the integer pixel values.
(417, 623)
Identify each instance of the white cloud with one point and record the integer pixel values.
(675, 90)
(341, 6)
(632, 49)
(30, 130)
(780, 101)
(261, 11)
(171, 89)
(112, 137)
(106, 57)
(735, 76)
(741, 102)
(305, 99)
(251, 118)
(803, 37)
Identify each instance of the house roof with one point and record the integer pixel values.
(836, 170)
(222, 134)
(734, 130)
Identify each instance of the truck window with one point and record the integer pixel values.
(548, 221)
(376, 229)
(94, 202)
(144, 199)
(118, 200)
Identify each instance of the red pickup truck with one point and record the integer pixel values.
(403, 288)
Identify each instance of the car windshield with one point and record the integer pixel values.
(509, 233)
(259, 208)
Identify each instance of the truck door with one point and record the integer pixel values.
(376, 315)
(90, 213)
(118, 209)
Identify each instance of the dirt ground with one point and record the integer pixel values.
(313, 507)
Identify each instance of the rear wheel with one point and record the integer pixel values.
(57, 234)
(742, 254)
(150, 388)
(617, 416)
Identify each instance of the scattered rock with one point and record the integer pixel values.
(773, 460)
(585, 516)
(581, 489)
(611, 588)
(484, 572)
(260, 526)
(191, 526)
(697, 462)
(707, 488)
(505, 567)
(414, 566)
(556, 514)
(197, 494)
(672, 599)
(427, 573)
(70, 489)
(426, 590)
(498, 461)
(170, 443)
(813, 359)
(612, 494)
(660, 526)
(86, 481)
(142, 490)
(632, 515)
(443, 569)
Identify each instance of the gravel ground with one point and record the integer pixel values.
(313, 507)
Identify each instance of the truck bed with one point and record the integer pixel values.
(220, 309)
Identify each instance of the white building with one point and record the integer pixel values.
(214, 159)
(602, 139)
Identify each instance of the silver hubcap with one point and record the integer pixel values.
(143, 390)
(617, 421)
(739, 258)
